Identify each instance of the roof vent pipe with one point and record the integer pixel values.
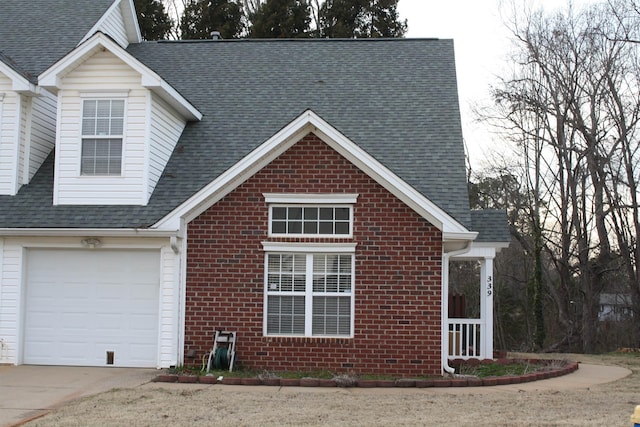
(215, 35)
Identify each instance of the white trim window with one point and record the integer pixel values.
(309, 294)
(102, 137)
(309, 220)
(318, 215)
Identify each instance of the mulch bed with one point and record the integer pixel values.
(549, 371)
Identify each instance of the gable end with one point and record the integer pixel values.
(309, 122)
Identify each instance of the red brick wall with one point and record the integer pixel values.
(397, 274)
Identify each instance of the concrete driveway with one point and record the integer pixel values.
(27, 392)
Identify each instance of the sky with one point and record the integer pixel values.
(481, 43)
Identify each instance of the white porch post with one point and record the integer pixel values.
(486, 307)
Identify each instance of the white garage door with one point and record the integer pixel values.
(92, 308)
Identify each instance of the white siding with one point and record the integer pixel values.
(3, 346)
(113, 25)
(25, 131)
(10, 279)
(12, 264)
(9, 116)
(102, 72)
(168, 332)
(43, 130)
(27, 135)
(166, 128)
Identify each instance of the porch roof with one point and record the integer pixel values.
(492, 225)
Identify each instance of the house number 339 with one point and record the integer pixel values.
(489, 286)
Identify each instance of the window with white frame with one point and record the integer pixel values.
(317, 215)
(309, 291)
(311, 220)
(102, 136)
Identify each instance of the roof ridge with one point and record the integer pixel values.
(300, 40)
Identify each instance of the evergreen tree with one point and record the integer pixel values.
(360, 18)
(280, 19)
(154, 21)
(384, 20)
(201, 17)
(341, 18)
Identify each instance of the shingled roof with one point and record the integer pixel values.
(395, 98)
(491, 225)
(33, 38)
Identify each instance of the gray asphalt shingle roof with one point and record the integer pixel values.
(395, 98)
(36, 35)
(491, 225)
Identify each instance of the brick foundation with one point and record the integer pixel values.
(397, 275)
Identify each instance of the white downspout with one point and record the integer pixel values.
(445, 306)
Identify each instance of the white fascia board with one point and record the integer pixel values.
(86, 232)
(19, 83)
(236, 174)
(495, 245)
(51, 78)
(453, 236)
(131, 23)
(283, 140)
(155, 83)
(477, 251)
(383, 176)
(297, 198)
(456, 242)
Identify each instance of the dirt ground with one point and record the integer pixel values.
(200, 405)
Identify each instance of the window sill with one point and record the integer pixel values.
(311, 340)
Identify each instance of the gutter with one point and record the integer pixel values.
(445, 304)
(86, 232)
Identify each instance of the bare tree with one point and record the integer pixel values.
(570, 109)
(174, 9)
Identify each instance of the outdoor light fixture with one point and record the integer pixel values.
(91, 242)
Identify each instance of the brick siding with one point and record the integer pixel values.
(397, 274)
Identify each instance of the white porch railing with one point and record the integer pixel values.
(465, 338)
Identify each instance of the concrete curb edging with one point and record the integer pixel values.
(320, 382)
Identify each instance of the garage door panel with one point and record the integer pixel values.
(74, 290)
(141, 322)
(81, 304)
(108, 322)
(138, 351)
(42, 320)
(109, 290)
(140, 290)
(72, 350)
(74, 322)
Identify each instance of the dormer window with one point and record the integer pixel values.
(102, 135)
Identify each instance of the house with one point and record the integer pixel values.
(308, 194)
(615, 307)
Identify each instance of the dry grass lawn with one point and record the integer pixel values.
(154, 404)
